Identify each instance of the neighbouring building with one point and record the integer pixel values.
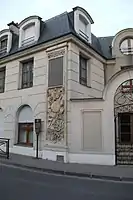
(79, 85)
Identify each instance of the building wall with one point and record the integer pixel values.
(79, 142)
(35, 97)
(94, 142)
(89, 141)
(95, 75)
(120, 60)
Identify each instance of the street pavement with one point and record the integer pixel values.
(22, 184)
(123, 173)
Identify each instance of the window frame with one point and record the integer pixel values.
(27, 135)
(29, 73)
(2, 39)
(128, 50)
(3, 69)
(85, 80)
(84, 21)
(28, 40)
(128, 88)
(131, 128)
(57, 85)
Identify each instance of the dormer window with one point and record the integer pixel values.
(29, 31)
(126, 46)
(5, 41)
(83, 27)
(29, 35)
(82, 23)
(3, 44)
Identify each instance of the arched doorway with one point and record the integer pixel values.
(25, 126)
(123, 115)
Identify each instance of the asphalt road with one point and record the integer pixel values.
(19, 184)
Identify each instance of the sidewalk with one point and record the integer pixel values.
(116, 173)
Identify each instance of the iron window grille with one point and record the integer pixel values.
(27, 74)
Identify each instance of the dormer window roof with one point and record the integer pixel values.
(3, 44)
(29, 34)
(126, 46)
(29, 31)
(5, 41)
(82, 23)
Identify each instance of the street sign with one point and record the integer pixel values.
(38, 126)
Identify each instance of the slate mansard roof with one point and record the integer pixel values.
(60, 26)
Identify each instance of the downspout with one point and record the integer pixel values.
(66, 97)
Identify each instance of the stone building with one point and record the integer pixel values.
(79, 85)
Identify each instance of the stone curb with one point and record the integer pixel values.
(74, 174)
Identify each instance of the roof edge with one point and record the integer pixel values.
(85, 12)
(28, 18)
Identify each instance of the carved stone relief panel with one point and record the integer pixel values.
(55, 115)
(56, 53)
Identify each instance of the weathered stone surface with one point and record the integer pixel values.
(55, 115)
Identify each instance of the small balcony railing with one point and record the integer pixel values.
(127, 51)
(3, 50)
(28, 41)
(4, 147)
(83, 35)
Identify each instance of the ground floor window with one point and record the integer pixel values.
(25, 134)
(126, 128)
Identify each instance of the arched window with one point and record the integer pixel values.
(3, 44)
(5, 41)
(29, 30)
(83, 27)
(126, 46)
(25, 126)
(29, 34)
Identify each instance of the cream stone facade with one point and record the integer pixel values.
(68, 78)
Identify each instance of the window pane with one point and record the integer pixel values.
(83, 70)
(125, 128)
(3, 44)
(25, 133)
(125, 118)
(83, 82)
(125, 138)
(31, 137)
(55, 73)
(29, 32)
(126, 46)
(27, 74)
(83, 73)
(2, 80)
(83, 63)
(22, 136)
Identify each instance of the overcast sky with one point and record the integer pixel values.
(109, 16)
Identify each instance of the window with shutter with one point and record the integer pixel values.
(55, 73)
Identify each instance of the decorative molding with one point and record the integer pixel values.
(55, 54)
(55, 115)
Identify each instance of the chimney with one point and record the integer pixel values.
(13, 27)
